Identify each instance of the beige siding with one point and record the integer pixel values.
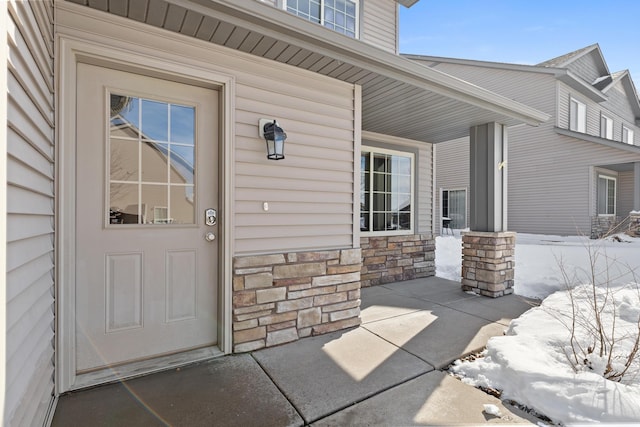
(30, 203)
(310, 193)
(379, 22)
(424, 190)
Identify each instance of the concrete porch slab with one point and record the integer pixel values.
(388, 305)
(431, 399)
(228, 391)
(501, 310)
(439, 335)
(433, 289)
(324, 374)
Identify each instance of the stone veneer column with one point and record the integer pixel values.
(279, 298)
(488, 262)
(634, 223)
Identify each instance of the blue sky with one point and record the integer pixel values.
(524, 31)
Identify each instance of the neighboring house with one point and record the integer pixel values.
(145, 226)
(578, 173)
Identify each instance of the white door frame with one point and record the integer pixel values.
(73, 46)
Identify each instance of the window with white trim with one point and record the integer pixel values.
(606, 195)
(577, 116)
(338, 15)
(627, 135)
(606, 127)
(386, 191)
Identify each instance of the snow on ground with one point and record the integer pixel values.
(534, 362)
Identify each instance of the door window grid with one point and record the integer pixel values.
(151, 161)
(386, 193)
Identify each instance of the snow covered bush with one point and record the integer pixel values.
(603, 320)
(575, 358)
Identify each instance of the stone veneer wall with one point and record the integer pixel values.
(488, 262)
(387, 259)
(280, 298)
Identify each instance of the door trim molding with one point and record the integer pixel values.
(75, 46)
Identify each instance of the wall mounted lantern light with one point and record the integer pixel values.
(274, 135)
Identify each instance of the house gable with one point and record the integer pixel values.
(587, 63)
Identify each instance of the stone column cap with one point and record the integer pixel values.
(489, 233)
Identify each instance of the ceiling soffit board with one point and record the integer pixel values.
(286, 38)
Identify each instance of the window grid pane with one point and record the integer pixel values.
(151, 162)
(386, 192)
(606, 196)
(337, 15)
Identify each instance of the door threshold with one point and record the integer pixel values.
(145, 367)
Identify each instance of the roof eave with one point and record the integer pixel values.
(294, 30)
(597, 140)
(581, 86)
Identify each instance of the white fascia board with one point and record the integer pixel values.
(283, 26)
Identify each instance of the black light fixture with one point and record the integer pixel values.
(274, 136)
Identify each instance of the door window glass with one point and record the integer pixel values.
(151, 151)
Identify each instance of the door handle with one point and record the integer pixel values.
(209, 237)
(210, 217)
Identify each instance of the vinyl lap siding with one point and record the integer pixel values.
(625, 194)
(536, 90)
(586, 67)
(452, 172)
(30, 215)
(424, 189)
(379, 20)
(550, 182)
(310, 193)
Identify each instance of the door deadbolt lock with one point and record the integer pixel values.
(210, 217)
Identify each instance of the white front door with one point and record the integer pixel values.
(146, 251)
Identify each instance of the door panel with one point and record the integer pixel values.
(146, 278)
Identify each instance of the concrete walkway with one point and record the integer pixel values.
(388, 372)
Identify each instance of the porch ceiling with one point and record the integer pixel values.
(399, 97)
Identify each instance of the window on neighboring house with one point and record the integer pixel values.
(454, 207)
(606, 127)
(386, 191)
(577, 116)
(606, 195)
(338, 15)
(627, 135)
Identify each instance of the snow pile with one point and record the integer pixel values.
(538, 261)
(535, 363)
(531, 364)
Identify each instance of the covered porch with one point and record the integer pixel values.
(391, 370)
